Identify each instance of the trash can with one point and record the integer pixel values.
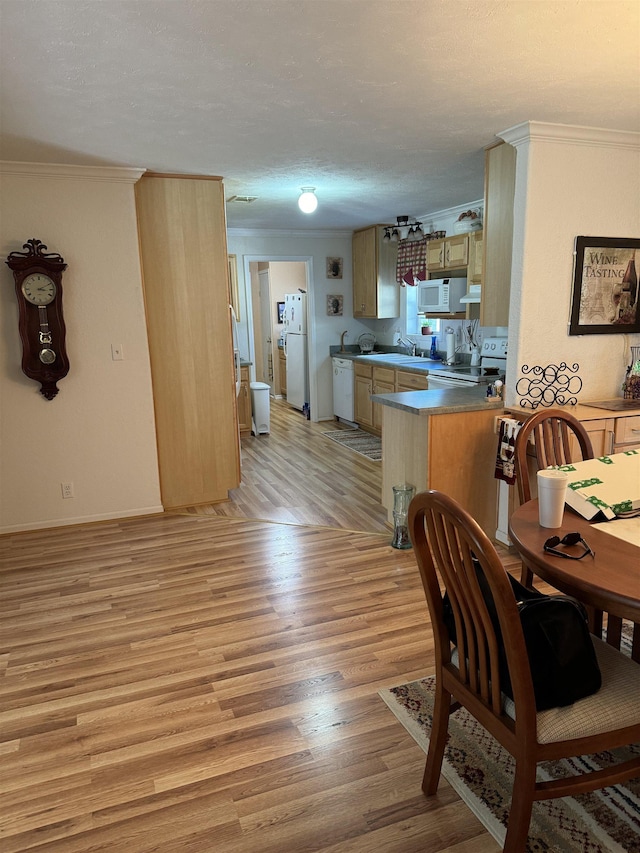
(260, 407)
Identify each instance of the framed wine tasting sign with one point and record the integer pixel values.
(605, 287)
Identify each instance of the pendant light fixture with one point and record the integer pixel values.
(403, 230)
(307, 201)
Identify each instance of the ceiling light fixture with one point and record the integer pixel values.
(403, 230)
(307, 201)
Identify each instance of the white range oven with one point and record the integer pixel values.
(493, 361)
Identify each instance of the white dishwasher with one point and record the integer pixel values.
(343, 388)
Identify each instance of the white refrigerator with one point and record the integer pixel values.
(295, 349)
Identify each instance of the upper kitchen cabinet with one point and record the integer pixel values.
(450, 253)
(476, 252)
(375, 291)
(499, 188)
(183, 248)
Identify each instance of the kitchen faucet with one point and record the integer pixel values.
(403, 342)
(342, 336)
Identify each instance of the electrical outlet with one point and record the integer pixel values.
(67, 490)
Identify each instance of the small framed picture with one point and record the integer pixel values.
(334, 305)
(334, 267)
(280, 312)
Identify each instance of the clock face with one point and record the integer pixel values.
(39, 289)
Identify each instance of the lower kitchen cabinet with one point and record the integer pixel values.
(362, 390)
(384, 382)
(244, 402)
(616, 433)
(282, 372)
(406, 381)
(452, 452)
(613, 434)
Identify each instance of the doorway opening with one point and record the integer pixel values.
(267, 280)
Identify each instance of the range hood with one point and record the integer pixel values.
(473, 294)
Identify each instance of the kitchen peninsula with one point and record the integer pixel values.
(442, 439)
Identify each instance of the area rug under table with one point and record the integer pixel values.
(357, 439)
(481, 772)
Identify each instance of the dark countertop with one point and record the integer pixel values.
(440, 401)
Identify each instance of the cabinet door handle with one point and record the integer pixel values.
(612, 441)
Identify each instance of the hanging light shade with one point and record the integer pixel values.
(403, 230)
(307, 201)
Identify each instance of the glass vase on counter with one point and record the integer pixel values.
(631, 384)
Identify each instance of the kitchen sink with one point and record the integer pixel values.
(394, 356)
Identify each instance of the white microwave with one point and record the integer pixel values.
(441, 296)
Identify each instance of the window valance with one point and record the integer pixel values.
(412, 262)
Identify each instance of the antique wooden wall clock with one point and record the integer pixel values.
(38, 278)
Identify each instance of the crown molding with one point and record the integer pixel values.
(110, 174)
(599, 137)
(275, 232)
(453, 212)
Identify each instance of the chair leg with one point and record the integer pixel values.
(521, 805)
(438, 739)
(526, 576)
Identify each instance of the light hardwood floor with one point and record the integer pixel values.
(206, 681)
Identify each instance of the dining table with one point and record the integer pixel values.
(606, 582)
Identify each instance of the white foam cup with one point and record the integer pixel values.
(552, 489)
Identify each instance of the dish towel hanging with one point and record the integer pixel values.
(505, 465)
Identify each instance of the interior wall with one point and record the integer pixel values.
(570, 182)
(98, 432)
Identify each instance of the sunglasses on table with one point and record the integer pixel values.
(551, 546)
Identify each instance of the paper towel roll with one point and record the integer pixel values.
(451, 347)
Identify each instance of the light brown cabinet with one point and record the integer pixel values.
(370, 380)
(362, 390)
(384, 382)
(419, 449)
(244, 402)
(499, 188)
(282, 372)
(406, 381)
(450, 253)
(376, 293)
(476, 253)
(613, 434)
(183, 249)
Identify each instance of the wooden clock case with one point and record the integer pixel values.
(23, 264)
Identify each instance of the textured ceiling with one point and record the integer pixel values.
(383, 107)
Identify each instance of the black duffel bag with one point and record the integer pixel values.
(563, 661)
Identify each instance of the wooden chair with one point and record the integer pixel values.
(550, 432)
(444, 537)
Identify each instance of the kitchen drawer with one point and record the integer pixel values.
(628, 430)
(386, 375)
(365, 370)
(411, 381)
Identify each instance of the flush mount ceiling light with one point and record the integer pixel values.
(308, 201)
(403, 230)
